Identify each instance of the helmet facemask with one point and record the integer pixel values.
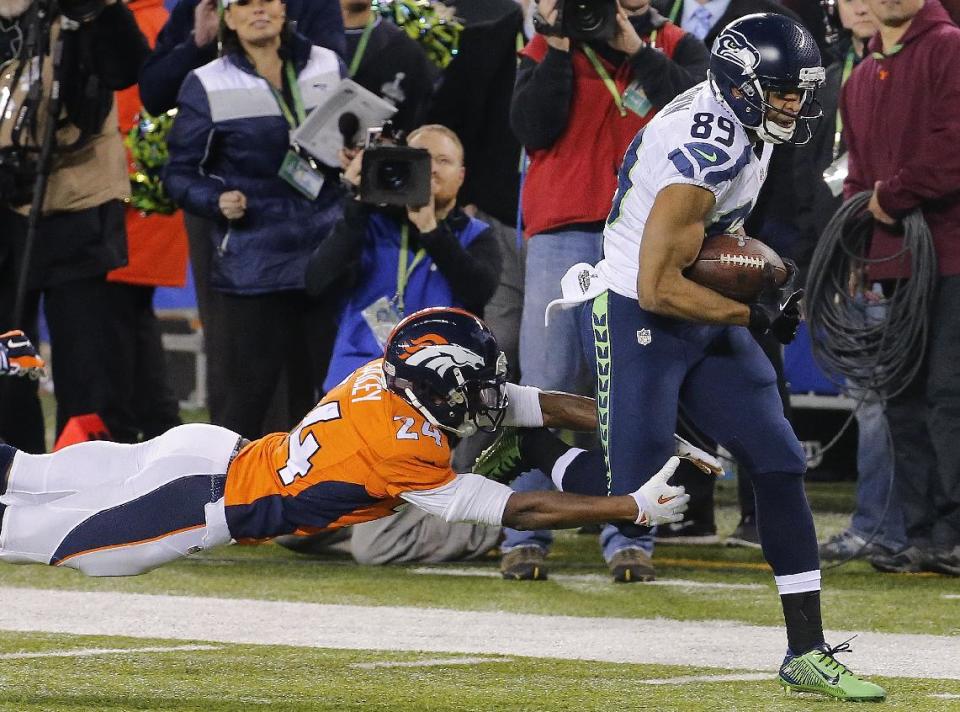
(756, 91)
(473, 405)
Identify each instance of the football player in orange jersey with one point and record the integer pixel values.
(378, 440)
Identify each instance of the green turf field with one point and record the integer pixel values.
(242, 676)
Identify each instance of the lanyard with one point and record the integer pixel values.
(362, 45)
(297, 99)
(403, 269)
(605, 76)
(675, 11)
(838, 133)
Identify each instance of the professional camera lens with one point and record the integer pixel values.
(586, 16)
(394, 175)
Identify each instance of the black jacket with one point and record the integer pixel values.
(396, 67)
(473, 99)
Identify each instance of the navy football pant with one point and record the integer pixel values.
(649, 365)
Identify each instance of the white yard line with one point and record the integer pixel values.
(952, 595)
(709, 644)
(433, 662)
(944, 696)
(86, 652)
(687, 679)
(585, 578)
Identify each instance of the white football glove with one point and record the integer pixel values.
(660, 503)
(708, 463)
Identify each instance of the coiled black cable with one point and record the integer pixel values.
(854, 349)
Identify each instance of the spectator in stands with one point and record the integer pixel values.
(188, 41)
(876, 519)
(142, 403)
(576, 107)
(900, 121)
(80, 233)
(705, 18)
(231, 162)
(382, 58)
(388, 263)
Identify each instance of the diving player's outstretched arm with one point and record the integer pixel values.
(672, 238)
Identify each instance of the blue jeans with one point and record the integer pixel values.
(552, 358)
(874, 477)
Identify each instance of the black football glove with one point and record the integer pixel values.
(777, 310)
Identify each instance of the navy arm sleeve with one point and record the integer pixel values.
(540, 107)
(663, 77)
(190, 141)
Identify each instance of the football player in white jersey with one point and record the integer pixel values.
(663, 342)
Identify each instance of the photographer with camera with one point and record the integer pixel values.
(384, 263)
(73, 55)
(597, 72)
(232, 162)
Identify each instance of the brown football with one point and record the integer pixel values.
(737, 266)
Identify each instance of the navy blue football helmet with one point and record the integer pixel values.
(761, 53)
(445, 362)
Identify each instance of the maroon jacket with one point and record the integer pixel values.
(901, 119)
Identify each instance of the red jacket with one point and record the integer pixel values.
(156, 244)
(901, 119)
(573, 181)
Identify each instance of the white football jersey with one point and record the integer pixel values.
(695, 139)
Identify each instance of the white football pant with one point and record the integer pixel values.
(117, 510)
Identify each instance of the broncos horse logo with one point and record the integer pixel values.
(438, 354)
(732, 45)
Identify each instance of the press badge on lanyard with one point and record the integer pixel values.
(384, 314)
(635, 99)
(299, 172)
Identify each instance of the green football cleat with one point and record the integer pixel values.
(820, 672)
(502, 461)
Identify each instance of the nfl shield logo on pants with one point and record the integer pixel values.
(644, 337)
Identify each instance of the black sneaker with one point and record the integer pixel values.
(847, 545)
(745, 534)
(689, 531)
(945, 562)
(907, 561)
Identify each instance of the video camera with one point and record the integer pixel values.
(581, 20)
(392, 173)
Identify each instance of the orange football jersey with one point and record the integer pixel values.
(346, 462)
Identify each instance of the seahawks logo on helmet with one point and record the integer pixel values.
(436, 353)
(732, 45)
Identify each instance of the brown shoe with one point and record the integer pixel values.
(631, 565)
(524, 563)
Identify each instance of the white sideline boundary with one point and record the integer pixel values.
(704, 644)
(587, 578)
(87, 652)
